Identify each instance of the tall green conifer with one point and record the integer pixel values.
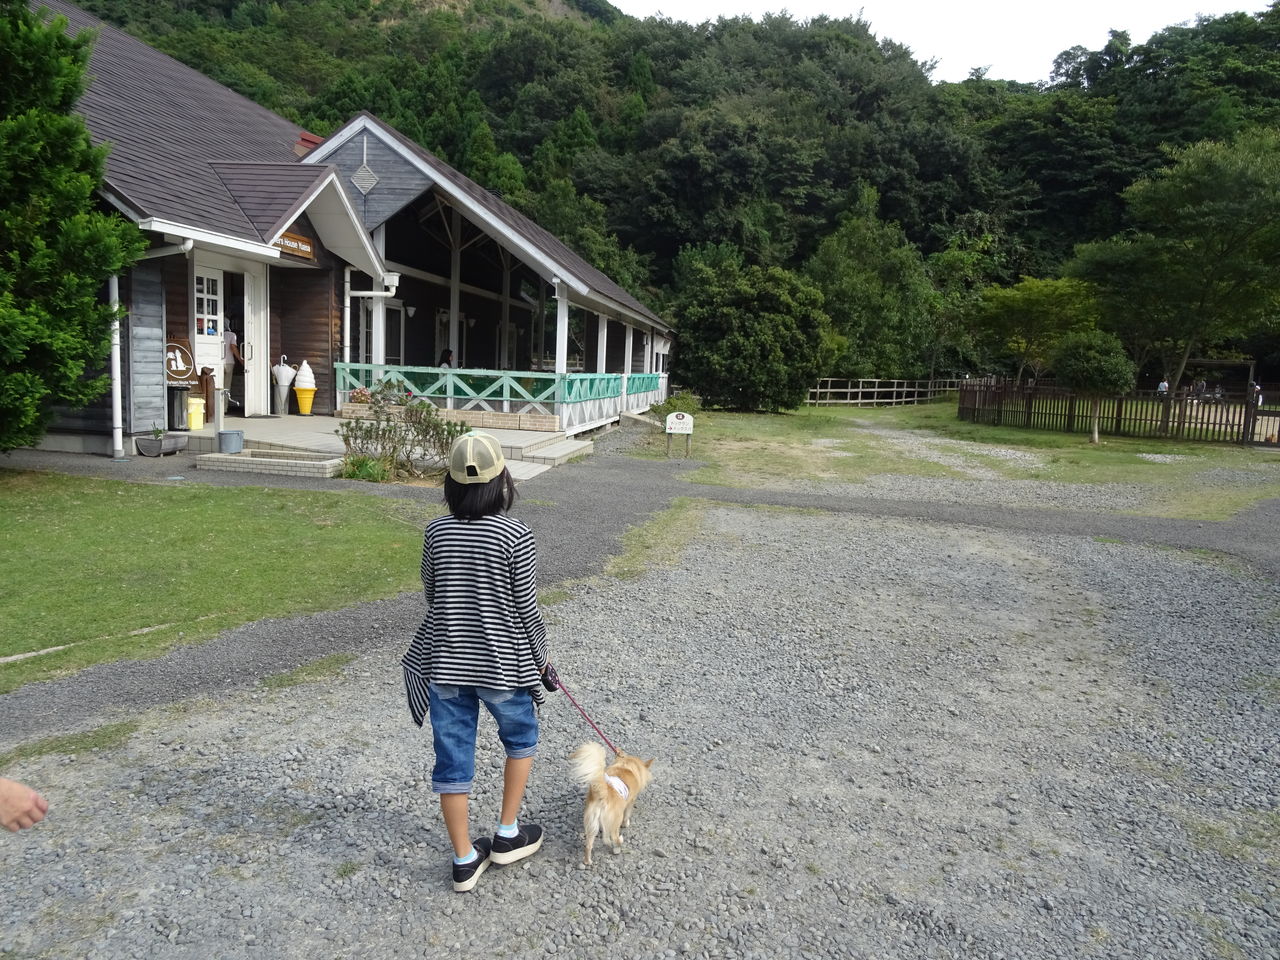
(56, 249)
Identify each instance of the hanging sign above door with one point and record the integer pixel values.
(296, 244)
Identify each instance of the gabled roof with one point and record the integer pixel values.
(269, 194)
(512, 229)
(188, 156)
(166, 125)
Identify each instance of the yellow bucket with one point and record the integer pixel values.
(305, 396)
(195, 413)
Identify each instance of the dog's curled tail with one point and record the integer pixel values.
(588, 763)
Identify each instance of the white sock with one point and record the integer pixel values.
(509, 829)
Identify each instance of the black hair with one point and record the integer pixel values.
(446, 356)
(472, 501)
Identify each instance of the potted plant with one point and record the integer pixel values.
(160, 443)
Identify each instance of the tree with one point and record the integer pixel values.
(1093, 364)
(748, 338)
(57, 248)
(877, 293)
(1200, 267)
(1030, 317)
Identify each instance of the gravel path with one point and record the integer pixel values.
(893, 729)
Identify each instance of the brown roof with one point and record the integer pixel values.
(541, 239)
(168, 126)
(270, 194)
(187, 149)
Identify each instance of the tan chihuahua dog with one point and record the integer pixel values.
(611, 792)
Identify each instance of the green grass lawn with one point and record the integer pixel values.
(113, 570)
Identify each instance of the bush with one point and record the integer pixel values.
(396, 438)
(681, 402)
(428, 433)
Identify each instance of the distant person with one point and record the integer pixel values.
(1162, 390)
(446, 358)
(1257, 392)
(230, 357)
(20, 806)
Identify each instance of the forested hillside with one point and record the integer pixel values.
(818, 149)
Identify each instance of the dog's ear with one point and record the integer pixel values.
(649, 762)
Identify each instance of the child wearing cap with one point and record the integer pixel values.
(482, 641)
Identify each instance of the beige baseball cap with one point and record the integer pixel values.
(475, 458)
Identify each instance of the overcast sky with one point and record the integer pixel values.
(1016, 39)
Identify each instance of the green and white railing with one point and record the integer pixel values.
(580, 400)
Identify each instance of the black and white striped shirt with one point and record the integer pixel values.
(483, 627)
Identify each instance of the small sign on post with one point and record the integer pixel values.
(680, 423)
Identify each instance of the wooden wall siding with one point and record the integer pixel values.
(304, 325)
(177, 305)
(142, 352)
(398, 181)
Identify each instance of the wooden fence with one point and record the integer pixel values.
(879, 393)
(1184, 417)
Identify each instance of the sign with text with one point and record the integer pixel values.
(296, 244)
(179, 368)
(679, 423)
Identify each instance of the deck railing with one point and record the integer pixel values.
(580, 400)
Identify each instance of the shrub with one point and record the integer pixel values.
(397, 438)
(680, 402)
(428, 434)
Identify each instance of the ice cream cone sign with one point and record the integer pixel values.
(304, 388)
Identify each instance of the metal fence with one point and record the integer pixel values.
(878, 393)
(1226, 418)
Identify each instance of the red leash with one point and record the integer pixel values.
(559, 683)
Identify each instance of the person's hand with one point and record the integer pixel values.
(20, 806)
(549, 678)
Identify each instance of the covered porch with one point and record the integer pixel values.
(524, 399)
(492, 318)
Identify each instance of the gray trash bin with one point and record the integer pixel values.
(230, 441)
(178, 408)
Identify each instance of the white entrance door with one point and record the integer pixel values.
(208, 309)
(257, 364)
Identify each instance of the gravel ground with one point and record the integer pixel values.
(896, 728)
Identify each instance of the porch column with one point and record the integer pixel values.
(602, 342)
(648, 350)
(379, 345)
(626, 361)
(117, 400)
(504, 321)
(562, 329)
(455, 283)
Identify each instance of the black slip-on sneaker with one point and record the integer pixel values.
(466, 875)
(525, 843)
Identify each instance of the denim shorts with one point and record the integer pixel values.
(455, 712)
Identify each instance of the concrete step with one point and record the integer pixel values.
(554, 454)
(522, 444)
(521, 470)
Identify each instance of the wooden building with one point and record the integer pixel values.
(363, 255)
